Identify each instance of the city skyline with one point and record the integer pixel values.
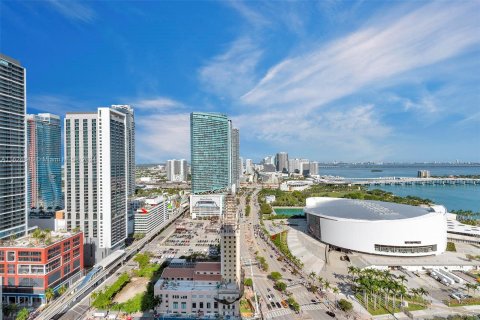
(370, 82)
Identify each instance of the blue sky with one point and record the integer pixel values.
(327, 80)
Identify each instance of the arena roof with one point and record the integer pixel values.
(363, 209)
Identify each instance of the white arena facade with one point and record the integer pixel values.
(376, 227)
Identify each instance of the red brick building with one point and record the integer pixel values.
(29, 266)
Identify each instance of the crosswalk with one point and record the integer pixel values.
(277, 313)
(315, 306)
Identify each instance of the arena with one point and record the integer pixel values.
(376, 227)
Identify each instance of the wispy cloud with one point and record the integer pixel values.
(157, 103)
(369, 56)
(232, 73)
(357, 129)
(251, 15)
(73, 10)
(162, 136)
(56, 104)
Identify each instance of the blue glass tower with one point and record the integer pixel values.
(210, 136)
(44, 162)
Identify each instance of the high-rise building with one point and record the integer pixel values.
(96, 179)
(210, 138)
(130, 134)
(314, 168)
(13, 209)
(281, 162)
(249, 168)
(44, 162)
(235, 157)
(242, 166)
(177, 170)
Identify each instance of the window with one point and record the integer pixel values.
(184, 305)
(66, 246)
(66, 269)
(23, 269)
(175, 305)
(11, 269)
(2, 255)
(209, 305)
(37, 270)
(194, 305)
(76, 241)
(53, 252)
(10, 256)
(53, 265)
(2, 268)
(76, 252)
(66, 258)
(30, 256)
(201, 305)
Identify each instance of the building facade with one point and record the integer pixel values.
(375, 227)
(206, 206)
(44, 162)
(151, 215)
(210, 137)
(29, 267)
(96, 180)
(236, 167)
(281, 162)
(13, 207)
(177, 170)
(130, 138)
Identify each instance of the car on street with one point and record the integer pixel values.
(331, 314)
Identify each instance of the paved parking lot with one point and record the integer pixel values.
(189, 237)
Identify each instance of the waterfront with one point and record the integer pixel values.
(454, 197)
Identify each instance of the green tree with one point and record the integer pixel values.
(345, 305)
(62, 289)
(275, 276)
(49, 294)
(143, 259)
(23, 314)
(248, 282)
(280, 286)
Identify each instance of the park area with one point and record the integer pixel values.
(131, 292)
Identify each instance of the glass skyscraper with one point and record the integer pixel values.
(44, 168)
(210, 137)
(13, 211)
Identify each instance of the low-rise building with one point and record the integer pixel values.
(151, 214)
(29, 265)
(206, 206)
(195, 289)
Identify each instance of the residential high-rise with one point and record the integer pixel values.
(235, 157)
(249, 168)
(13, 209)
(44, 162)
(177, 170)
(281, 162)
(314, 168)
(210, 137)
(242, 167)
(96, 179)
(130, 134)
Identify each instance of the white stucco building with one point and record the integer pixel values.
(376, 227)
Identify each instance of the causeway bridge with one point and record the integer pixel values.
(385, 181)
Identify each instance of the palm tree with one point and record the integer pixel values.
(336, 291)
(326, 285)
(62, 290)
(402, 278)
(49, 294)
(320, 281)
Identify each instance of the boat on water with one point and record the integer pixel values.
(376, 170)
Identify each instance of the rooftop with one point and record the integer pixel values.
(456, 226)
(200, 271)
(363, 209)
(30, 241)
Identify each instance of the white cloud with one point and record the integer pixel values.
(160, 137)
(378, 52)
(252, 16)
(73, 10)
(232, 73)
(56, 104)
(157, 103)
(356, 131)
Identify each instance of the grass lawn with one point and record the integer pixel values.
(464, 302)
(245, 307)
(381, 306)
